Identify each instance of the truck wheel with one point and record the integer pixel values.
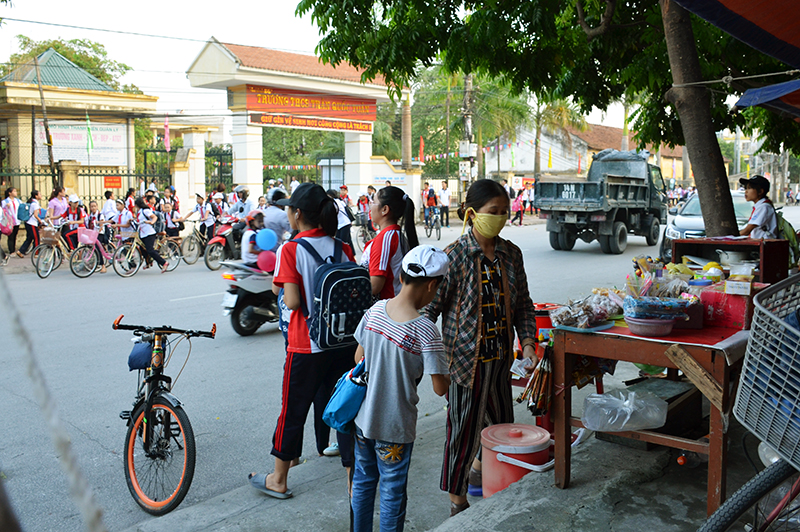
(566, 240)
(554, 241)
(605, 243)
(618, 240)
(653, 232)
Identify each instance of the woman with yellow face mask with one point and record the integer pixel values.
(483, 300)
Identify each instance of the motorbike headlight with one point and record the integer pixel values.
(672, 233)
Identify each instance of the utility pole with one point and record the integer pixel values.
(737, 151)
(468, 133)
(47, 138)
(447, 129)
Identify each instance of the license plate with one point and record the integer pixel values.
(570, 218)
(229, 300)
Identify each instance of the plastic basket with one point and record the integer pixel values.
(87, 236)
(48, 235)
(768, 400)
(362, 218)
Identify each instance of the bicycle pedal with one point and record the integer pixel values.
(125, 414)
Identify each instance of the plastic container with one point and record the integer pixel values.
(698, 285)
(87, 236)
(541, 312)
(505, 444)
(650, 327)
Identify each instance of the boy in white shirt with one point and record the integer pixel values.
(398, 346)
(763, 222)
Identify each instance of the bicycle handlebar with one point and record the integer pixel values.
(164, 329)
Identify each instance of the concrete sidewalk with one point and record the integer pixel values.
(613, 488)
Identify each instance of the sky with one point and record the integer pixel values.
(158, 64)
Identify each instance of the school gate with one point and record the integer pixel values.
(271, 88)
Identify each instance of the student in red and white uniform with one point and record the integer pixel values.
(94, 221)
(383, 256)
(130, 199)
(74, 217)
(171, 219)
(307, 370)
(122, 221)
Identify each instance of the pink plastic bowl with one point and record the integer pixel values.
(649, 327)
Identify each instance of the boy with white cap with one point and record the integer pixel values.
(398, 346)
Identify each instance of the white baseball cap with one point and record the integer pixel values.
(218, 195)
(426, 261)
(73, 198)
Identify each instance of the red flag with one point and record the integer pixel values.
(421, 148)
(166, 132)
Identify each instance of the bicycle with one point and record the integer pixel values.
(50, 253)
(169, 248)
(129, 255)
(84, 259)
(159, 445)
(194, 245)
(364, 233)
(434, 223)
(767, 405)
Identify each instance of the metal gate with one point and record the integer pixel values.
(219, 167)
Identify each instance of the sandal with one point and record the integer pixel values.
(164, 267)
(456, 509)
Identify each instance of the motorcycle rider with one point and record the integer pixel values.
(275, 217)
(242, 208)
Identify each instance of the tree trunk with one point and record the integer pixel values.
(694, 110)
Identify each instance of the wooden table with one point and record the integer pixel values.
(719, 351)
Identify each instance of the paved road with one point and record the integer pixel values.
(230, 387)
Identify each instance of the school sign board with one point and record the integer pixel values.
(70, 143)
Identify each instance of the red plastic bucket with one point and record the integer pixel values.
(542, 314)
(514, 441)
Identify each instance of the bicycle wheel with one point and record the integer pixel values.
(190, 249)
(159, 481)
(35, 253)
(59, 257)
(428, 229)
(357, 239)
(127, 261)
(438, 226)
(215, 253)
(752, 503)
(83, 261)
(45, 261)
(171, 253)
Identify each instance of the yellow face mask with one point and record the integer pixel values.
(487, 225)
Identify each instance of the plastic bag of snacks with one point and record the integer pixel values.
(655, 308)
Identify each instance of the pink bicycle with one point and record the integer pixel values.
(85, 259)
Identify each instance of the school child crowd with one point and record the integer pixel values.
(478, 287)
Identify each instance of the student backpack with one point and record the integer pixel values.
(6, 221)
(24, 212)
(161, 224)
(342, 293)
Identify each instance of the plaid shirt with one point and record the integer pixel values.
(459, 301)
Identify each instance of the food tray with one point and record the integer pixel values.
(768, 399)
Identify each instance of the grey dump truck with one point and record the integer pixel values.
(622, 194)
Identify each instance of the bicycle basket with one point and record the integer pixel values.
(140, 356)
(48, 235)
(87, 236)
(362, 218)
(768, 401)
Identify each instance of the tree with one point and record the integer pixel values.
(554, 115)
(592, 50)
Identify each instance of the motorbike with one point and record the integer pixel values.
(249, 300)
(224, 246)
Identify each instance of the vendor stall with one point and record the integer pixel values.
(706, 356)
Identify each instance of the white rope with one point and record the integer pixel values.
(79, 488)
(727, 80)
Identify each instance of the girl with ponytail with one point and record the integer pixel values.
(308, 370)
(383, 256)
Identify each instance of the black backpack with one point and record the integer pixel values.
(431, 193)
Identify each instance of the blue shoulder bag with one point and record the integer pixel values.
(346, 399)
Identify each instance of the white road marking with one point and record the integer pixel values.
(196, 297)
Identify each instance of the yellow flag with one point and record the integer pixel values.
(748, 170)
(550, 158)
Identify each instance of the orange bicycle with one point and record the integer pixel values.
(159, 446)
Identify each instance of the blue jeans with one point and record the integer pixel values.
(427, 215)
(388, 462)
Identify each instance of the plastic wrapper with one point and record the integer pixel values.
(669, 286)
(587, 369)
(655, 308)
(622, 410)
(587, 312)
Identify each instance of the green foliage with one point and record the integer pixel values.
(89, 55)
(143, 139)
(297, 147)
(540, 46)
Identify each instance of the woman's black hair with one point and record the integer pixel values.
(34, 193)
(8, 192)
(129, 193)
(326, 217)
(400, 206)
(479, 194)
(56, 191)
(140, 204)
(108, 194)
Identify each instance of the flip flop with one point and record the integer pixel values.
(259, 481)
